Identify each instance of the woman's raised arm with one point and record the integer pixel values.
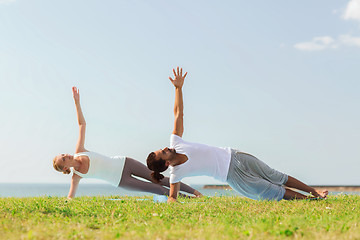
(81, 120)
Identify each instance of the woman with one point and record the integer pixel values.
(243, 172)
(118, 171)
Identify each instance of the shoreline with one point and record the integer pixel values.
(330, 188)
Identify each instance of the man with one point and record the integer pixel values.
(245, 173)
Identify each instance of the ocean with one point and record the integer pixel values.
(87, 189)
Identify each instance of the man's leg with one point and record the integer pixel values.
(294, 183)
(291, 195)
(261, 169)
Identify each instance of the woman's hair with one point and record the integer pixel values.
(58, 168)
(157, 166)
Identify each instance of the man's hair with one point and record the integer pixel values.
(157, 166)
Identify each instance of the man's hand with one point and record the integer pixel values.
(171, 200)
(178, 80)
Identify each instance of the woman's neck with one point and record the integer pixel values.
(77, 164)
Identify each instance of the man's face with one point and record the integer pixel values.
(166, 154)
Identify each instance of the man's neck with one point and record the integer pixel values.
(179, 159)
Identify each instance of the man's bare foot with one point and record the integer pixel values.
(321, 194)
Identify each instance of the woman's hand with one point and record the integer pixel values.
(76, 94)
(178, 80)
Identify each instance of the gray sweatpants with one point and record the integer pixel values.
(254, 179)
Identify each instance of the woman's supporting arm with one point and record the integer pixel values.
(74, 185)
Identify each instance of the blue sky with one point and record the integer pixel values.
(277, 79)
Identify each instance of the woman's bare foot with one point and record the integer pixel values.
(198, 194)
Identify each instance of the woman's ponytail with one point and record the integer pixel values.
(156, 176)
(157, 166)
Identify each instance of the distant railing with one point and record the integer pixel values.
(331, 188)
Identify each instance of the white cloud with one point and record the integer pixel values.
(323, 43)
(352, 10)
(317, 44)
(349, 40)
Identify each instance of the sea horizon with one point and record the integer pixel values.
(100, 189)
(85, 189)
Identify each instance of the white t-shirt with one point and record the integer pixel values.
(202, 160)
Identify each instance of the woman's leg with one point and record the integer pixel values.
(129, 182)
(294, 183)
(136, 168)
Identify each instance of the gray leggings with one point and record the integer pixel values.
(136, 168)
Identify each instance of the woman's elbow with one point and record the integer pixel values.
(178, 114)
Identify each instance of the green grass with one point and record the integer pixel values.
(208, 218)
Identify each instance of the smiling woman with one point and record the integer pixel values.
(58, 164)
(118, 171)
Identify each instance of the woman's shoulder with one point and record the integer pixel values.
(82, 152)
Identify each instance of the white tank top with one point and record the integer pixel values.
(102, 167)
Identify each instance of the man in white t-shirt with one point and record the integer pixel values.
(244, 172)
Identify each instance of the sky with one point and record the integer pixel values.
(277, 79)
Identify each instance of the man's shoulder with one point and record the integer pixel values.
(174, 136)
(175, 139)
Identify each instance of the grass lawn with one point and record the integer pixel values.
(338, 217)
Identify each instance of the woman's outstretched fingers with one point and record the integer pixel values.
(76, 95)
(174, 72)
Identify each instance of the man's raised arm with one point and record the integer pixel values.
(178, 82)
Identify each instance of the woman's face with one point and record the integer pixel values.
(64, 161)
